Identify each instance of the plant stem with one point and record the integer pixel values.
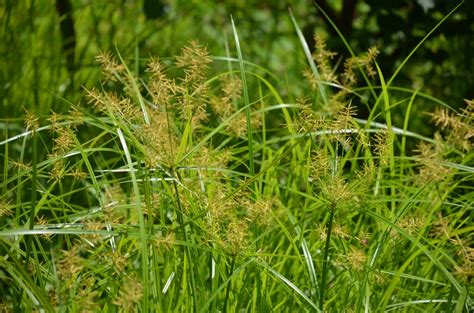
(229, 284)
(185, 237)
(326, 257)
(34, 176)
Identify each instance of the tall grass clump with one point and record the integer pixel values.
(177, 187)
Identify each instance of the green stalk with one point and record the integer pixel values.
(326, 257)
(405, 129)
(229, 284)
(34, 178)
(5, 170)
(388, 119)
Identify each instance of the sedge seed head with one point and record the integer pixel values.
(122, 107)
(236, 237)
(411, 223)
(383, 144)
(96, 99)
(161, 88)
(195, 60)
(6, 208)
(465, 251)
(308, 119)
(320, 165)
(21, 166)
(431, 161)
(379, 278)
(369, 60)
(86, 296)
(159, 140)
(130, 294)
(340, 231)
(458, 128)
(238, 125)
(231, 88)
(31, 121)
(43, 221)
(76, 117)
(119, 260)
(70, 264)
(349, 77)
(76, 173)
(321, 232)
(165, 242)
(322, 57)
(335, 190)
(311, 78)
(156, 69)
(64, 141)
(54, 119)
(260, 211)
(356, 259)
(109, 65)
(58, 171)
(93, 226)
(441, 227)
(222, 107)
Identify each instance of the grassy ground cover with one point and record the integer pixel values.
(208, 184)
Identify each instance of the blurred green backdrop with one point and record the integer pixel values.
(47, 48)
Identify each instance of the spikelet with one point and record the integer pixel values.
(336, 191)
(54, 119)
(70, 265)
(111, 69)
(356, 259)
(5, 208)
(322, 57)
(75, 116)
(260, 211)
(130, 295)
(31, 121)
(159, 140)
(431, 161)
(194, 59)
(161, 88)
(64, 141)
(458, 127)
(236, 237)
(86, 297)
(383, 141)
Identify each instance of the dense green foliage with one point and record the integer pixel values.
(149, 171)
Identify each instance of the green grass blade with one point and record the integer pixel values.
(141, 220)
(246, 100)
(285, 281)
(346, 43)
(322, 88)
(399, 68)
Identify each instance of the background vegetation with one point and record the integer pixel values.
(158, 157)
